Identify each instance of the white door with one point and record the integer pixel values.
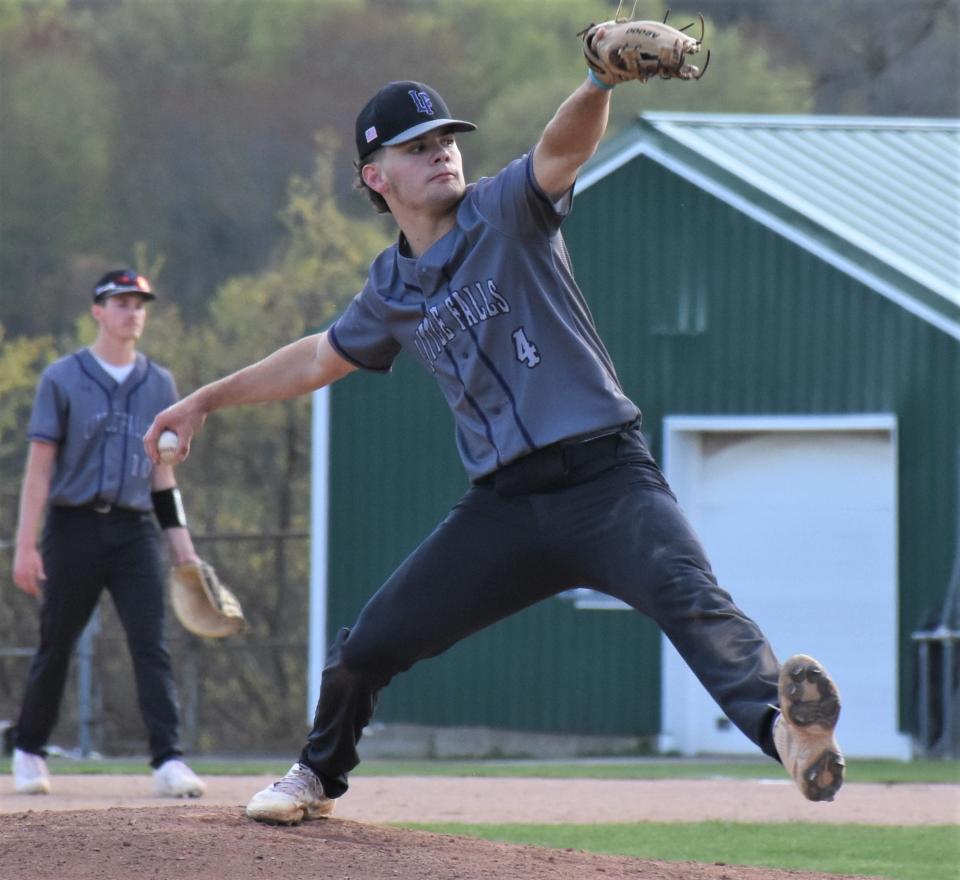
(799, 523)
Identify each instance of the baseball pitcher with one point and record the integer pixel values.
(479, 290)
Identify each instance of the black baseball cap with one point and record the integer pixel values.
(122, 281)
(400, 112)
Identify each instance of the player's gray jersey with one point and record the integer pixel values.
(98, 427)
(493, 311)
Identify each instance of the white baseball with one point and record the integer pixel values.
(167, 445)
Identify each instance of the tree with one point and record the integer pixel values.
(178, 124)
(54, 173)
(21, 362)
(869, 57)
(248, 472)
(741, 78)
(246, 482)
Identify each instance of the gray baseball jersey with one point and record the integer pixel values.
(492, 310)
(98, 426)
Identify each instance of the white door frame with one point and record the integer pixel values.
(681, 465)
(319, 545)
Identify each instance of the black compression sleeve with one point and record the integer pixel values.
(168, 506)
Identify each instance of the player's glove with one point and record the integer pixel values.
(620, 50)
(202, 604)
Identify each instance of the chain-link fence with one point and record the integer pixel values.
(243, 695)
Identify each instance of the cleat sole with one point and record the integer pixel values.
(810, 709)
(824, 777)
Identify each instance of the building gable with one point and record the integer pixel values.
(877, 198)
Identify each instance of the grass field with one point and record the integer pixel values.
(898, 853)
(884, 772)
(917, 853)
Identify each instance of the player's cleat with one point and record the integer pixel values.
(803, 732)
(295, 798)
(30, 774)
(173, 778)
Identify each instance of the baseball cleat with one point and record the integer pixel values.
(804, 730)
(173, 778)
(30, 774)
(294, 799)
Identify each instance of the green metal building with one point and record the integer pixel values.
(781, 296)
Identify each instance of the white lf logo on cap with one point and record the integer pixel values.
(371, 134)
(421, 100)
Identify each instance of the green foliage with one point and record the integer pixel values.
(14, 13)
(505, 44)
(742, 77)
(248, 472)
(55, 115)
(180, 124)
(322, 263)
(277, 30)
(246, 483)
(899, 853)
(330, 250)
(884, 57)
(11, 15)
(21, 361)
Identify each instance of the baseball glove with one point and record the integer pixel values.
(202, 604)
(621, 50)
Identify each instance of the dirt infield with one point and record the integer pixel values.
(218, 843)
(470, 799)
(111, 828)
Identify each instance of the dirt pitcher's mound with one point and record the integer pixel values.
(220, 843)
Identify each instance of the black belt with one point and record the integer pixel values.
(107, 507)
(564, 463)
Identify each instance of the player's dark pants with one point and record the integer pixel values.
(83, 552)
(595, 514)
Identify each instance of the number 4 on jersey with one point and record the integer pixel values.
(525, 349)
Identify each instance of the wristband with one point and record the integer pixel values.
(599, 83)
(168, 506)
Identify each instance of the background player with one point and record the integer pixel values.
(86, 467)
(479, 289)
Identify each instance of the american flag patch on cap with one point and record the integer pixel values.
(371, 133)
